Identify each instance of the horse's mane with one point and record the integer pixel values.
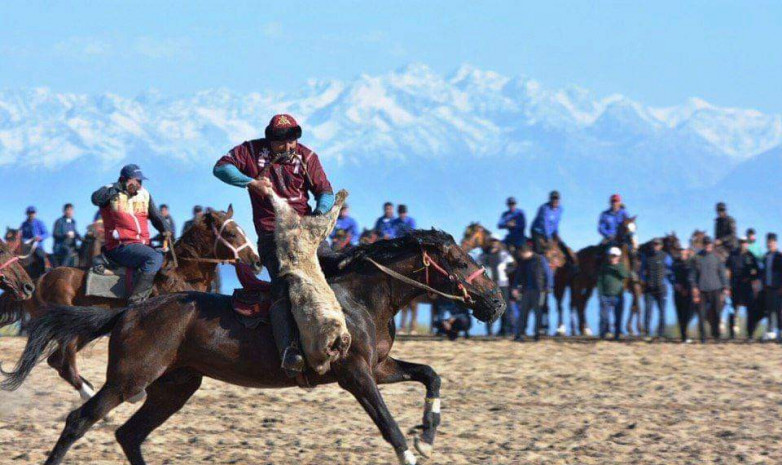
(384, 250)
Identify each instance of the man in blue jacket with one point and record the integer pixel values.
(545, 227)
(384, 226)
(65, 238)
(514, 221)
(34, 230)
(346, 231)
(403, 224)
(611, 219)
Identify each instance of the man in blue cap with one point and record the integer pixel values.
(514, 221)
(126, 208)
(34, 230)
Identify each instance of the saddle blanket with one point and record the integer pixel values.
(113, 284)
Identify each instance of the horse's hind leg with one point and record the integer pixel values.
(165, 397)
(64, 361)
(81, 419)
(396, 371)
(356, 377)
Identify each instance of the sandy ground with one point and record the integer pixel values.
(503, 403)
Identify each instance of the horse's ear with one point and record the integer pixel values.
(230, 212)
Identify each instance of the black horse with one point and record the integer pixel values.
(165, 346)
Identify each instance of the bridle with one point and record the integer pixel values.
(220, 239)
(429, 262)
(6, 264)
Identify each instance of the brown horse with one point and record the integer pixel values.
(14, 280)
(166, 345)
(584, 281)
(475, 236)
(33, 264)
(91, 244)
(214, 239)
(696, 242)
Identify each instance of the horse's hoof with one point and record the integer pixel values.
(422, 447)
(86, 392)
(138, 397)
(407, 458)
(587, 332)
(561, 330)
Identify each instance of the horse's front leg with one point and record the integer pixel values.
(355, 376)
(396, 371)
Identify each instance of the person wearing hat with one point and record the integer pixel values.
(384, 226)
(611, 219)
(772, 286)
(754, 245)
(682, 290)
(744, 269)
(545, 227)
(655, 271)
(725, 229)
(610, 289)
(34, 230)
(127, 208)
(66, 238)
(293, 171)
(198, 213)
(531, 282)
(709, 287)
(403, 223)
(346, 232)
(514, 221)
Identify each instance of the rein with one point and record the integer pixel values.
(32, 249)
(7, 263)
(429, 262)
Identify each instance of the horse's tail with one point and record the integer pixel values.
(11, 309)
(57, 326)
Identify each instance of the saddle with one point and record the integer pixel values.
(252, 301)
(108, 279)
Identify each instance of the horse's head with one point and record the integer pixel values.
(671, 243)
(627, 231)
(368, 236)
(227, 239)
(13, 278)
(475, 235)
(12, 237)
(453, 271)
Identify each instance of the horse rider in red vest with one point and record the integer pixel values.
(279, 162)
(127, 208)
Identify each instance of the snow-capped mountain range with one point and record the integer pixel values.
(452, 147)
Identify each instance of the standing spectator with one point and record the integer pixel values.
(709, 285)
(166, 214)
(610, 289)
(754, 245)
(545, 227)
(772, 286)
(65, 237)
(743, 270)
(610, 220)
(346, 231)
(403, 224)
(725, 228)
(655, 269)
(532, 280)
(384, 226)
(682, 290)
(496, 260)
(514, 221)
(35, 230)
(198, 212)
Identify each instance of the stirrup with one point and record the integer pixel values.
(292, 361)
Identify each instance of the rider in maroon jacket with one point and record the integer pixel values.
(279, 162)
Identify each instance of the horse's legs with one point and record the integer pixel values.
(64, 361)
(165, 397)
(356, 378)
(395, 371)
(81, 419)
(413, 315)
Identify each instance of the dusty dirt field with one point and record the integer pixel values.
(503, 403)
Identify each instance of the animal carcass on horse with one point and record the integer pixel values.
(318, 315)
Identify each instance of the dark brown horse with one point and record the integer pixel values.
(91, 244)
(213, 239)
(584, 281)
(14, 280)
(33, 264)
(168, 344)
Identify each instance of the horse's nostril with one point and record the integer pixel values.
(29, 288)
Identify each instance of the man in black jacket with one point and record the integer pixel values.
(743, 269)
(709, 284)
(682, 290)
(531, 282)
(655, 270)
(772, 285)
(725, 228)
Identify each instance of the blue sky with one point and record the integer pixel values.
(657, 52)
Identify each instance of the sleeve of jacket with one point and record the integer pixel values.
(723, 276)
(156, 217)
(503, 223)
(602, 226)
(644, 267)
(239, 156)
(101, 197)
(44, 232)
(319, 181)
(57, 231)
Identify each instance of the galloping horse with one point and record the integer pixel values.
(14, 280)
(585, 280)
(32, 263)
(166, 345)
(214, 239)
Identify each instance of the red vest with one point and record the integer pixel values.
(125, 219)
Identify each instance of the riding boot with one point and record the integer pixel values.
(142, 288)
(286, 337)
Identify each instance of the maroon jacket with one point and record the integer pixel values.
(288, 179)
